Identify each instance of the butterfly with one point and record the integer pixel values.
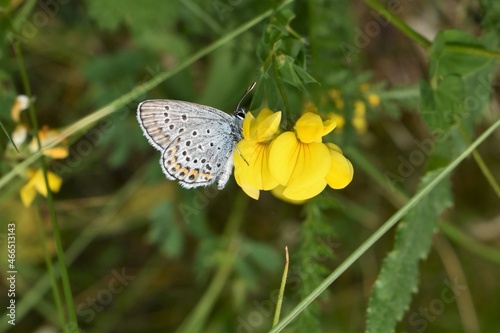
(196, 141)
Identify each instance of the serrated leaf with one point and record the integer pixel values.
(398, 279)
(442, 104)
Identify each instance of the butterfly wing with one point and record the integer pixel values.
(196, 141)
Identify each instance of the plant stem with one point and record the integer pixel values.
(456, 235)
(398, 23)
(73, 322)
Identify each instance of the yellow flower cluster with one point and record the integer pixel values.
(35, 179)
(295, 165)
(359, 116)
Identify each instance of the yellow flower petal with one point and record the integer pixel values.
(250, 191)
(19, 135)
(373, 99)
(334, 147)
(251, 161)
(278, 193)
(364, 86)
(21, 103)
(335, 95)
(56, 152)
(247, 124)
(267, 125)
(39, 182)
(263, 128)
(294, 163)
(309, 128)
(359, 109)
(339, 120)
(359, 119)
(47, 136)
(329, 125)
(311, 108)
(28, 194)
(304, 193)
(341, 171)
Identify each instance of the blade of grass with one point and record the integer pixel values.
(77, 127)
(381, 231)
(8, 136)
(50, 200)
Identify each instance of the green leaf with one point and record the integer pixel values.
(441, 105)
(456, 52)
(110, 14)
(398, 279)
(164, 232)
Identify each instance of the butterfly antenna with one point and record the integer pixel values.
(245, 94)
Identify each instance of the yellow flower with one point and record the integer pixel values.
(47, 136)
(19, 134)
(36, 183)
(21, 103)
(304, 165)
(359, 117)
(373, 99)
(251, 156)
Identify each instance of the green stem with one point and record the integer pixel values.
(281, 89)
(50, 200)
(472, 50)
(381, 231)
(50, 268)
(480, 163)
(196, 319)
(279, 303)
(398, 23)
(8, 136)
(469, 243)
(202, 15)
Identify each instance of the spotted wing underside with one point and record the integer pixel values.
(196, 140)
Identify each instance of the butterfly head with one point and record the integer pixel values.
(240, 111)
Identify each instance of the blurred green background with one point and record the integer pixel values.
(145, 255)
